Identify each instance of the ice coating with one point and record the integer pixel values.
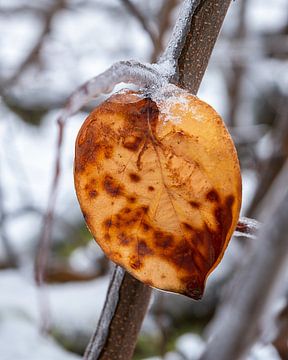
(247, 227)
(173, 101)
(182, 26)
(130, 72)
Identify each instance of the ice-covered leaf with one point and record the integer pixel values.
(159, 184)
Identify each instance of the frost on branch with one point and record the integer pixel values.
(181, 28)
(247, 227)
(130, 72)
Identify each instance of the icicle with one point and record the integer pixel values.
(247, 227)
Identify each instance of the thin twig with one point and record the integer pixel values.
(10, 253)
(164, 24)
(113, 349)
(235, 76)
(35, 51)
(124, 71)
(36, 8)
(142, 20)
(247, 227)
(98, 339)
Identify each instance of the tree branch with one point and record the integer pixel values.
(12, 259)
(193, 40)
(189, 33)
(247, 227)
(204, 29)
(121, 318)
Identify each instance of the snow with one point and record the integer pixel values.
(252, 225)
(22, 30)
(74, 308)
(169, 97)
(190, 346)
(265, 16)
(263, 352)
(21, 340)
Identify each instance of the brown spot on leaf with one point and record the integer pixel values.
(148, 282)
(194, 204)
(108, 151)
(107, 237)
(143, 249)
(187, 226)
(131, 199)
(93, 194)
(163, 240)
(124, 239)
(136, 264)
(151, 188)
(183, 256)
(107, 223)
(146, 227)
(230, 200)
(85, 215)
(145, 209)
(194, 287)
(134, 177)
(213, 196)
(111, 186)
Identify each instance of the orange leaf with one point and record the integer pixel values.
(159, 185)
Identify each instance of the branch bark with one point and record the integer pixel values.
(189, 50)
(198, 26)
(127, 302)
(204, 29)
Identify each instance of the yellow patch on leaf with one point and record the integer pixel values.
(159, 184)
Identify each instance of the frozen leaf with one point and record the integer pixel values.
(159, 184)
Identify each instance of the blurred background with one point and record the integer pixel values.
(47, 49)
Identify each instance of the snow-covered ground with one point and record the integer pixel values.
(72, 309)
